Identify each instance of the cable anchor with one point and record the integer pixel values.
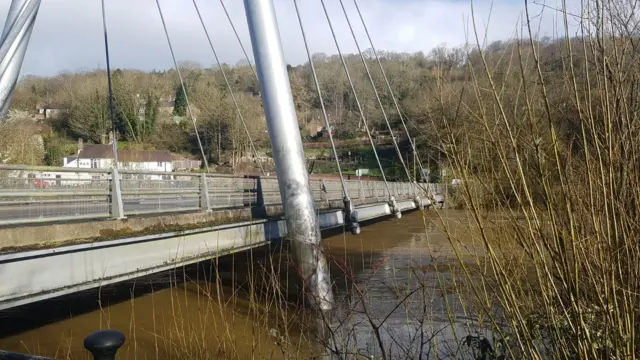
(395, 210)
(350, 216)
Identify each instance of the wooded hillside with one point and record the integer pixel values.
(448, 83)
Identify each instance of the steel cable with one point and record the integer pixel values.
(244, 51)
(324, 111)
(111, 113)
(375, 91)
(386, 79)
(228, 84)
(184, 90)
(246, 56)
(355, 95)
(109, 82)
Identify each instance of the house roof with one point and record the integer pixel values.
(100, 151)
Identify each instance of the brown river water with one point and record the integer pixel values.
(396, 277)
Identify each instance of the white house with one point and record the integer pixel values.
(50, 111)
(100, 156)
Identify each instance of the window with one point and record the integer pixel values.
(160, 164)
(94, 163)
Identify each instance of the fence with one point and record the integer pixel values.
(44, 194)
(103, 345)
(185, 164)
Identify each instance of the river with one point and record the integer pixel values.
(395, 290)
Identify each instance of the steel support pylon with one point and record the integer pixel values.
(13, 45)
(297, 199)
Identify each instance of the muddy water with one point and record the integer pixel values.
(394, 290)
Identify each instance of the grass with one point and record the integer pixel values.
(553, 153)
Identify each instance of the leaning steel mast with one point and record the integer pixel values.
(302, 222)
(13, 45)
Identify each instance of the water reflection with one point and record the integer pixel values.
(396, 301)
(388, 296)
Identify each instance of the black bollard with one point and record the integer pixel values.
(104, 344)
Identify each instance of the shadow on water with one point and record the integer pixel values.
(32, 316)
(250, 303)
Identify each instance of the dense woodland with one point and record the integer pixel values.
(144, 119)
(446, 90)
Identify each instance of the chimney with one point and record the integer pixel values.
(110, 137)
(103, 139)
(80, 145)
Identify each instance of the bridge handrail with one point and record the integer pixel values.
(43, 168)
(34, 194)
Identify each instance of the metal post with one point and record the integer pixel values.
(297, 199)
(205, 205)
(13, 45)
(324, 192)
(117, 207)
(104, 344)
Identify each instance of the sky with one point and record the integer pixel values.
(68, 34)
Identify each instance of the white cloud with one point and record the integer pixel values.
(68, 33)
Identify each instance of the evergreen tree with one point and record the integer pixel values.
(150, 113)
(56, 148)
(125, 114)
(180, 104)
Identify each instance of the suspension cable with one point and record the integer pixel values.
(244, 51)
(422, 174)
(384, 75)
(184, 90)
(355, 95)
(114, 145)
(228, 84)
(246, 56)
(324, 111)
(375, 91)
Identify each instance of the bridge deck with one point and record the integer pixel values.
(37, 274)
(48, 235)
(66, 234)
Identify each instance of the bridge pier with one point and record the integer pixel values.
(297, 199)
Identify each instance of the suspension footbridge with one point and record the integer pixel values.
(64, 230)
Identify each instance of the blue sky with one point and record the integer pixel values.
(68, 33)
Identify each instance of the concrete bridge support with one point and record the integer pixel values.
(297, 199)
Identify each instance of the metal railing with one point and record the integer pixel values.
(30, 194)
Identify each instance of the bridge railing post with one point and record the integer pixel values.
(256, 198)
(259, 193)
(324, 192)
(205, 204)
(115, 195)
